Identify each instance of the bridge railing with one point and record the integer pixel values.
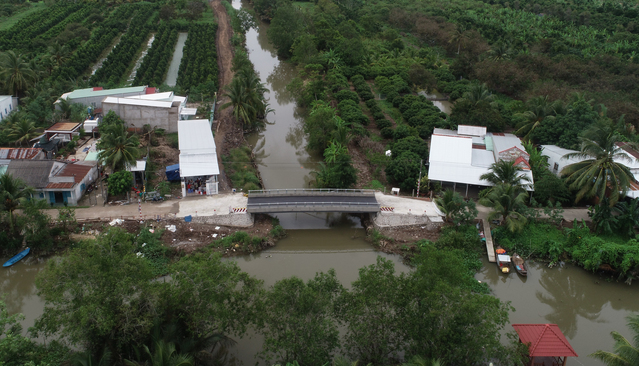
(304, 203)
(309, 192)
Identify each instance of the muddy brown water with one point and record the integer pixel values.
(584, 305)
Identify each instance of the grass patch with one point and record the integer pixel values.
(7, 23)
(172, 139)
(241, 241)
(394, 113)
(207, 17)
(307, 5)
(239, 167)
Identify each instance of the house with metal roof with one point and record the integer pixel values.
(557, 161)
(93, 97)
(199, 169)
(63, 131)
(159, 110)
(56, 182)
(464, 155)
(547, 345)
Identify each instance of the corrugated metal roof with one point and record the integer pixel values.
(140, 166)
(482, 158)
(64, 126)
(20, 153)
(195, 136)
(451, 149)
(471, 130)
(544, 340)
(77, 171)
(60, 185)
(166, 96)
(502, 142)
(89, 92)
(193, 165)
(91, 156)
(459, 173)
(35, 173)
(136, 101)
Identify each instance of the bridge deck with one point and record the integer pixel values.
(351, 202)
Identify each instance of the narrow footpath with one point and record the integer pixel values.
(226, 129)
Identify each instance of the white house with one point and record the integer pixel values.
(464, 155)
(160, 110)
(93, 97)
(198, 158)
(7, 105)
(557, 162)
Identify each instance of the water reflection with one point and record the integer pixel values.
(17, 287)
(568, 299)
(278, 79)
(585, 306)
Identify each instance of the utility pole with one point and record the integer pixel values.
(419, 181)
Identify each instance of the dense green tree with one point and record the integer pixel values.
(120, 182)
(298, 321)
(319, 125)
(286, 26)
(13, 193)
(564, 129)
(99, 295)
(626, 353)
(411, 144)
(601, 173)
(340, 174)
(405, 170)
(538, 109)
(507, 201)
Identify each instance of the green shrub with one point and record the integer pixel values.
(387, 132)
(346, 95)
(172, 138)
(383, 123)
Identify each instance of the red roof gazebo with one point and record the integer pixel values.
(547, 345)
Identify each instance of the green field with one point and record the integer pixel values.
(304, 4)
(6, 23)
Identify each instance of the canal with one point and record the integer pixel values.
(585, 306)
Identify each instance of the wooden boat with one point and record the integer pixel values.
(519, 264)
(16, 258)
(503, 260)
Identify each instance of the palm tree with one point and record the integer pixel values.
(539, 108)
(118, 148)
(503, 171)
(59, 53)
(601, 174)
(625, 353)
(13, 193)
(240, 101)
(476, 93)
(15, 72)
(506, 200)
(500, 51)
(164, 354)
(421, 361)
(86, 359)
(459, 38)
(334, 150)
(449, 203)
(23, 131)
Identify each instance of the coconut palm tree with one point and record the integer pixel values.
(164, 354)
(459, 38)
(449, 203)
(539, 108)
(118, 147)
(602, 172)
(477, 93)
(15, 72)
(505, 200)
(59, 53)
(503, 171)
(421, 361)
(23, 131)
(86, 359)
(13, 193)
(625, 353)
(501, 51)
(240, 101)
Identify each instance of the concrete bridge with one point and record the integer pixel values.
(312, 200)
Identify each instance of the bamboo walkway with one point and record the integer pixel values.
(489, 241)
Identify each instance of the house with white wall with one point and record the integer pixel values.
(8, 104)
(198, 157)
(462, 156)
(93, 97)
(557, 161)
(56, 182)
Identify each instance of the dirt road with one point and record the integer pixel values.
(228, 134)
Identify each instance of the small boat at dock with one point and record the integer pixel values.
(16, 258)
(503, 260)
(519, 264)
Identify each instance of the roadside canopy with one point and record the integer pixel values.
(173, 172)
